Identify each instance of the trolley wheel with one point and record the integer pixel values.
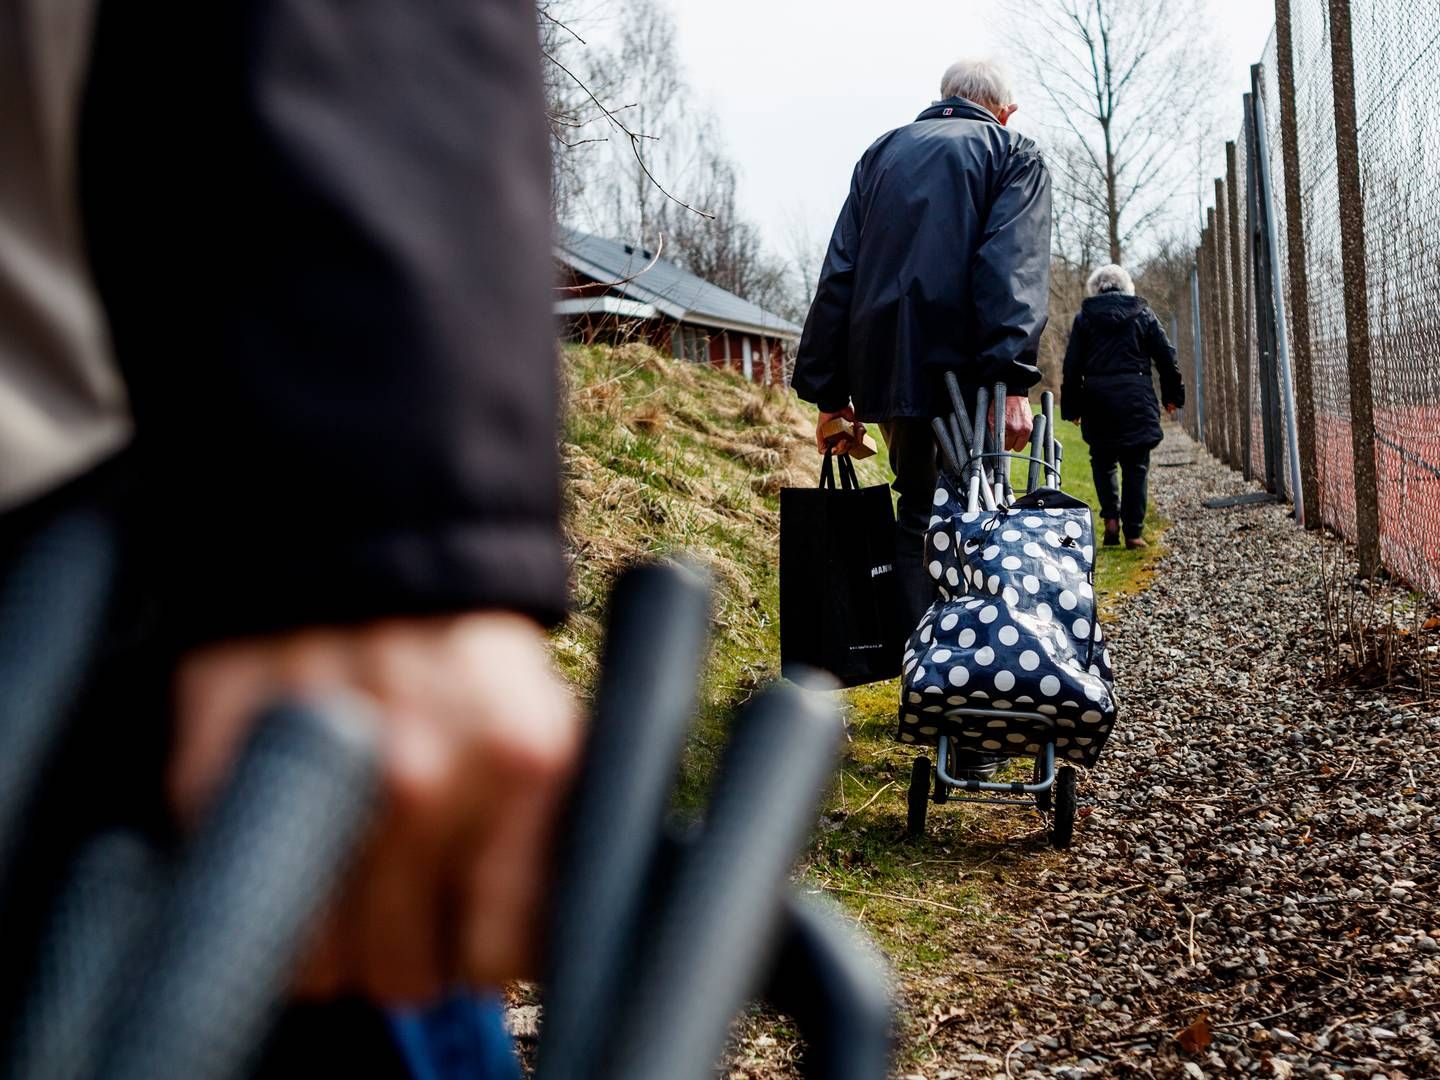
(1062, 828)
(1044, 800)
(919, 800)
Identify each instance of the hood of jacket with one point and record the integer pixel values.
(957, 108)
(1113, 307)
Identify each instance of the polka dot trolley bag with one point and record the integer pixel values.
(1010, 660)
(1013, 630)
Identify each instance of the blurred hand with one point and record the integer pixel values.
(1019, 422)
(479, 740)
(1171, 409)
(839, 443)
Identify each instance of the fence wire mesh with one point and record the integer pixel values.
(1394, 211)
(1397, 47)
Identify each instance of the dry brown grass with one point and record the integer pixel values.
(664, 456)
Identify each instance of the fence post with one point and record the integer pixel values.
(1239, 402)
(1207, 325)
(1301, 348)
(1275, 308)
(1197, 349)
(1220, 313)
(1257, 318)
(1357, 307)
(1224, 327)
(1202, 380)
(1257, 192)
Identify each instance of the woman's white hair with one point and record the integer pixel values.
(980, 81)
(1110, 278)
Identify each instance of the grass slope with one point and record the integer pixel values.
(664, 456)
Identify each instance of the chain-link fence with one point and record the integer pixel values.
(1314, 333)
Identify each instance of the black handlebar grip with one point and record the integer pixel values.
(1047, 410)
(54, 599)
(708, 948)
(828, 980)
(1002, 465)
(654, 651)
(84, 959)
(957, 402)
(247, 892)
(1037, 450)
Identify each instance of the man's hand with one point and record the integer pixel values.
(839, 443)
(1170, 408)
(479, 740)
(1019, 422)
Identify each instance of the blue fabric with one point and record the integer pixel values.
(1013, 629)
(463, 1038)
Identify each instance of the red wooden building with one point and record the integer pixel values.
(613, 291)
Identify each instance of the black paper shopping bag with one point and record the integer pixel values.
(840, 607)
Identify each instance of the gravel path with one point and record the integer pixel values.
(1254, 891)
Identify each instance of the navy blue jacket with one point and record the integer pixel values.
(940, 261)
(1108, 386)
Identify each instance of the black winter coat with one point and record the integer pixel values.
(1108, 387)
(321, 231)
(940, 261)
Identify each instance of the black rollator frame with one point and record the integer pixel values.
(157, 964)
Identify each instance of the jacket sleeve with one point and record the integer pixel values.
(822, 362)
(1162, 354)
(1072, 387)
(343, 369)
(1010, 274)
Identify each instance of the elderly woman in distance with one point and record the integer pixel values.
(1109, 391)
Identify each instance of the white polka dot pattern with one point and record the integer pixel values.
(1013, 628)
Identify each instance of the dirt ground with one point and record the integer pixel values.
(1252, 887)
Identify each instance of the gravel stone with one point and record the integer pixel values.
(1262, 847)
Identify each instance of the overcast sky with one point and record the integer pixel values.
(802, 87)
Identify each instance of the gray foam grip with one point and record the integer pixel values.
(709, 945)
(245, 896)
(85, 958)
(54, 597)
(654, 649)
(831, 983)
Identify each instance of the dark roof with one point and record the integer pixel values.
(675, 292)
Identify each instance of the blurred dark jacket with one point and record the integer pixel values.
(1108, 385)
(940, 262)
(318, 231)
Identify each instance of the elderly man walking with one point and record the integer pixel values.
(940, 262)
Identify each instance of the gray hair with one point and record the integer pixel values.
(1110, 278)
(980, 81)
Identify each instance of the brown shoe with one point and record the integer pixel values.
(1136, 543)
(1112, 532)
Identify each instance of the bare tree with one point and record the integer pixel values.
(636, 158)
(612, 102)
(1126, 83)
(726, 249)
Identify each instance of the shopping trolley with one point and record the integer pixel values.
(1010, 660)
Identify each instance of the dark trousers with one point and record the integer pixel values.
(1126, 496)
(913, 461)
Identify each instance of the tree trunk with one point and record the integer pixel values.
(1112, 211)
